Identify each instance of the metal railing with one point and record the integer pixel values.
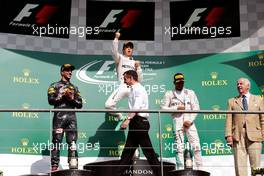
(158, 111)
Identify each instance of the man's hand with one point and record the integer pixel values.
(229, 140)
(187, 124)
(125, 124)
(181, 107)
(60, 95)
(117, 35)
(69, 94)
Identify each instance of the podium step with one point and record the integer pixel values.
(66, 172)
(188, 173)
(138, 168)
(70, 172)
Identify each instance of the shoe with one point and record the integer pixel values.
(54, 168)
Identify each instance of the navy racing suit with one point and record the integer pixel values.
(64, 121)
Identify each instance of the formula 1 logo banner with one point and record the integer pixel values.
(134, 20)
(36, 17)
(204, 19)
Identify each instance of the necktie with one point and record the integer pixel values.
(244, 102)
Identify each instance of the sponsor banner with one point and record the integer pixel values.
(135, 20)
(31, 72)
(203, 19)
(36, 17)
(96, 79)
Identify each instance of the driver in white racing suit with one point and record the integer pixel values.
(124, 62)
(183, 99)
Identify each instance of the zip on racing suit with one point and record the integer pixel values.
(64, 121)
(186, 97)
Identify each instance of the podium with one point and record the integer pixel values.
(138, 168)
(188, 173)
(70, 172)
(66, 172)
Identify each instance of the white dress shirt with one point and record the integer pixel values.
(138, 99)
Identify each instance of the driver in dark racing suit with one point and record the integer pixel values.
(64, 95)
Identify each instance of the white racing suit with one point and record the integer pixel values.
(123, 64)
(188, 98)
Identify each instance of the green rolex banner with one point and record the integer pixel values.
(26, 76)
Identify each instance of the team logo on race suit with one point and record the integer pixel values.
(104, 72)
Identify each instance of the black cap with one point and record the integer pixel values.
(67, 67)
(178, 77)
(128, 44)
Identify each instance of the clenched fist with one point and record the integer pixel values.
(117, 35)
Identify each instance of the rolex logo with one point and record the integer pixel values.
(215, 107)
(28, 115)
(26, 72)
(214, 75)
(25, 106)
(121, 146)
(24, 142)
(262, 89)
(214, 81)
(168, 127)
(214, 116)
(261, 56)
(25, 78)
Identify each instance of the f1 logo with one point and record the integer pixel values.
(110, 18)
(42, 15)
(25, 12)
(194, 17)
(127, 20)
(105, 67)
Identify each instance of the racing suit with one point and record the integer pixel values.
(171, 100)
(64, 121)
(123, 64)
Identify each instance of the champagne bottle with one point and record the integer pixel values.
(188, 157)
(73, 163)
